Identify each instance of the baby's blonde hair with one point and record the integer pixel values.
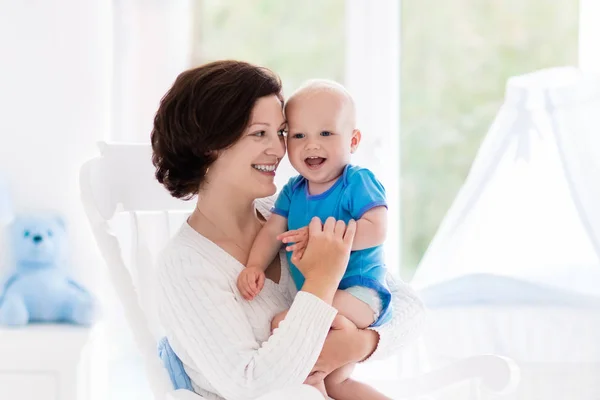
(316, 86)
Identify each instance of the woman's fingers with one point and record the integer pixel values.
(340, 228)
(329, 225)
(315, 226)
(350, 232)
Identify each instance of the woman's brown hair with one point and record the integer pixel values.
(206, 110)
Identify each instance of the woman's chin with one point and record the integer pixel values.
(266, 190)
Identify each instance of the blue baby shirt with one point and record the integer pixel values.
(351, 196)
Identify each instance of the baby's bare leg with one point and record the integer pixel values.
(340, 386)
(357, 311)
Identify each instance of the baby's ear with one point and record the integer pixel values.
(356, 137)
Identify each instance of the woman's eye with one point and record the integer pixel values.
(298, 136)
(282, 132)
(259, 134)
(325, 133)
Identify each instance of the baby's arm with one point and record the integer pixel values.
(266, 246)
(371, 229)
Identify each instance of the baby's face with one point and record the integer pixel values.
(320, 135)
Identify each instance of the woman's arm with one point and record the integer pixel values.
(408, 315)
(207, 325)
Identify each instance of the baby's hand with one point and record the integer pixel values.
(250, 282)
(299, 237)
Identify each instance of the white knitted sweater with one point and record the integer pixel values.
(224, 341)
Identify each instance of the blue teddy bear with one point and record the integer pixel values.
(39, 289)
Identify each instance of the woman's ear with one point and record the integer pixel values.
(356, 136)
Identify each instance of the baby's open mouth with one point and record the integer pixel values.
(314, 162)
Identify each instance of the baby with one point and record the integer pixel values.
(321, 138)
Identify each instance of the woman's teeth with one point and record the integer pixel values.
(264, 168)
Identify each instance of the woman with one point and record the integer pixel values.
(219, 134)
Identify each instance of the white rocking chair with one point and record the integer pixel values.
(132, 217)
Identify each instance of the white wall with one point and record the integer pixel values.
(589, 35)
(54, 87)
(152, 45)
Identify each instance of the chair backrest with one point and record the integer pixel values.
(132, 217)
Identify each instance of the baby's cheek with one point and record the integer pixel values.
(293, 153)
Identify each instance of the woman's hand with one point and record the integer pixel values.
(328, 250)
(345, 344)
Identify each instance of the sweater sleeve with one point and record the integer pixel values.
(407, 320)
(201, 313)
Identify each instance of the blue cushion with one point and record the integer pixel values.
(174, 366)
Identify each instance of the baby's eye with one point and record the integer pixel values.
(26, 234)
(298, 136)
(326, 133)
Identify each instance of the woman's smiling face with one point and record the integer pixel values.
(250, 164)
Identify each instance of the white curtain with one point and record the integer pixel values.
(529, 207)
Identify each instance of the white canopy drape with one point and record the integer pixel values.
(530, 207)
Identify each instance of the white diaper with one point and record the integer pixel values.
(368, 296)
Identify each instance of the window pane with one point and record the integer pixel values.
(456, 58)
(298, 40)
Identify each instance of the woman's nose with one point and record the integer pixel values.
(277, 148)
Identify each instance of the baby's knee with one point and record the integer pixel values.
(277, 319)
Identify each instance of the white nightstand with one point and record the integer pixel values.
(45, 362)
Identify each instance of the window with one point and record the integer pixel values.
(298, 40)
(456, 58)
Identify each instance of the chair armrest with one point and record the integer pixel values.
(499, 375)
